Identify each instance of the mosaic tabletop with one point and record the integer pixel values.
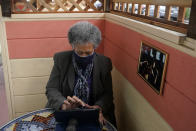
(40, 120)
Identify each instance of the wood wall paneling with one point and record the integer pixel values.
(141, 116)
(28, 103)
(29, 85)
(31, 67)
(36, 48)
(44, 29)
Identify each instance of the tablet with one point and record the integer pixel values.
(82, 115)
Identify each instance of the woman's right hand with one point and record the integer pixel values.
(71, 103)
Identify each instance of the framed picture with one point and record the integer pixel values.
(152, 66)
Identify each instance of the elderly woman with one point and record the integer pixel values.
(81, 77)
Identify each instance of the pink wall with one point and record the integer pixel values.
(39, 39)
(178, 103)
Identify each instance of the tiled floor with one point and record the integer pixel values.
(3, 100)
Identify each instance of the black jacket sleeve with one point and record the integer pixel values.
(55, 97)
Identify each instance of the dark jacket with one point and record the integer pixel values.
(62, 77)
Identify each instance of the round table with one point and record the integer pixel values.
(40, 120)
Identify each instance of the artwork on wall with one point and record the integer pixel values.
(152, 66)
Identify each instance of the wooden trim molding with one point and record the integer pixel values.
(6, 7)
(159, 2)
(6, 70)
(179, 27)
(65, 16)
(192, 25)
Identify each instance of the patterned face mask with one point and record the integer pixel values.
(83, 61)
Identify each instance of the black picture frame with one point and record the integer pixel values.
(152, 66)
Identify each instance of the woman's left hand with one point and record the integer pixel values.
(101, 117)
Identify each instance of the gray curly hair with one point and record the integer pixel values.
(83, 33)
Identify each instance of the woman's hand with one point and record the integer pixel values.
(101, 117)
(71, 103)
